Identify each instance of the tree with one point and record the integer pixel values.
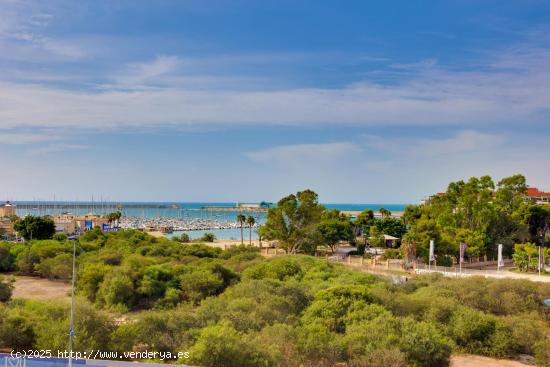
(385, 213)
(409, 252)
(411, 214)
(376, 238)
(334, 229)
(241, 219)
(477, 210)
(250, 221)
(391, 226)
(113, 216)
(511, 191)
(35, 227)
(293, 222)
(538, 222)
(364, 220)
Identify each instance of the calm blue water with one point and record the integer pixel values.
(187, 210)
(221, 234)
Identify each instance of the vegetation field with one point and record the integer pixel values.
(236, 308)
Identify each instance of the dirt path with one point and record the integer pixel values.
(468, 360)
(38, 288)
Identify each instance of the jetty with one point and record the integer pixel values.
(246, 209)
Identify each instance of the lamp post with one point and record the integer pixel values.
(71, 322)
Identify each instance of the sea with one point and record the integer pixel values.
(179, 210)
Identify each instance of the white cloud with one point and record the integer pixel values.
(146, 72)
(299, 152)
(463, 142)
(24, 138)
(400, 168)
(435, 96)
(22, 38)
(56, 148)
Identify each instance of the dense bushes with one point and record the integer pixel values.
(235, 308)
(44, 325)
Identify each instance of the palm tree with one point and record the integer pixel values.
(241, 219)
(384, 212)
(250, 221)
(118, 215)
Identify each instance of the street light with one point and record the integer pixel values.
(71, 326)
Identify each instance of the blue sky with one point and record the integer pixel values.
(361, 101)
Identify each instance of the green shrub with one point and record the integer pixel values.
(26, 261)
(6, 288)
(207, 237)
(281, 268)
(222, 345)
(382, 357)
(200, 250)
(7, 259)
(240, 250)
(444, 260)
(157, 330)
(318, 345)
(479, 333)
(424, 345)
(59, 267)
(117, 290)
(60, 237)
(331, 306)
(254, 304)
(393, 253)
(183, 238)
(17, 332)
(90, 278)
(542, 352)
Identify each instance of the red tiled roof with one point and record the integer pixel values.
(533, 191)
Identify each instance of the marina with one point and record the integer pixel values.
(169, 225)
(174, 218)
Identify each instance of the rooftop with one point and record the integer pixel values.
(533, 191)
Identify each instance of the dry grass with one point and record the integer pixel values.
(40, 289)
(468, 360)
